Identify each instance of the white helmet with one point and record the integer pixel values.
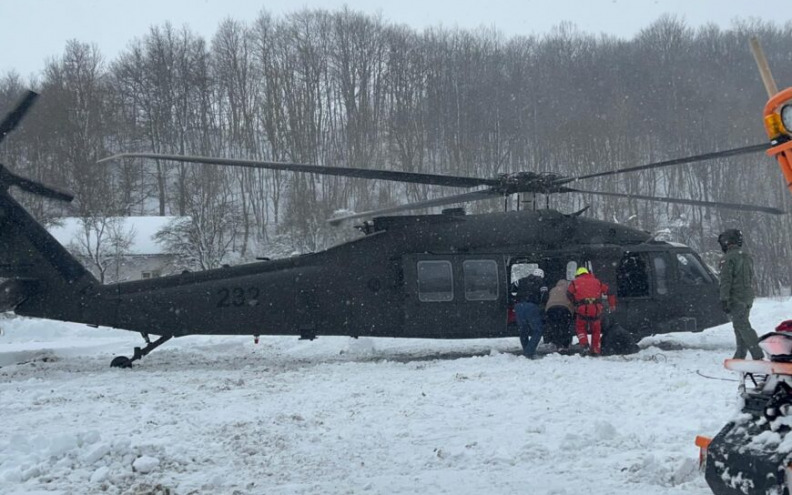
(538, 272)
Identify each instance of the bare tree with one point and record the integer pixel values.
(204, 239)
(103, 242)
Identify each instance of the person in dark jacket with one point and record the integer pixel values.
(531, 293)
(586, 293)
(736, 292)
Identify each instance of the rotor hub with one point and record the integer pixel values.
(531, 182)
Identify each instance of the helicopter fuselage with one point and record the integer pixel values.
(430, 276)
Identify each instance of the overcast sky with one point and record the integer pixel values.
(31, 31)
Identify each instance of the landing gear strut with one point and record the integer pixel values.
(125, 362)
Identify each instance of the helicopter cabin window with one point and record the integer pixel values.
(632, 278)
(435, 281)
(691, 271)
(481, 280)
(660, 274)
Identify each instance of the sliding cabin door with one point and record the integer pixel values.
(454, 296)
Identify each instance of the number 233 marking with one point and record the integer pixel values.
(237, 296)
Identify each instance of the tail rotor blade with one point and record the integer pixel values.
(40, 189)
(8, 179)
(12, 120)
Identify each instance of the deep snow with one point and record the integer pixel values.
(338, 415)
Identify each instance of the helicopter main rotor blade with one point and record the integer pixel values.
(445, 200)
(360, 173)
(14, 117)
(676, 161)
(693, 202)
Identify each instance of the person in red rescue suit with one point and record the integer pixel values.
(586, 293)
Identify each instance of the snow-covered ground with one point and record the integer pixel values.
(338, 415)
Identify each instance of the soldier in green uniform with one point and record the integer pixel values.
(736, 292)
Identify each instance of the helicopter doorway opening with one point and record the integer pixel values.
(558, 321)
(632, 277)
(658, 287)
(624, 272)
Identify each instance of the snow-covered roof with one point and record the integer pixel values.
(144, 230)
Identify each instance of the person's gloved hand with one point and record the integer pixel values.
(725, 306)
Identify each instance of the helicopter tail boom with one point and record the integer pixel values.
(37, 269)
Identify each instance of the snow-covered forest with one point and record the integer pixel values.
(347, 89)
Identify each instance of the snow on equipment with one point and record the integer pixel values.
(753, 452)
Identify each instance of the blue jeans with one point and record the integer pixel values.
(529, 322)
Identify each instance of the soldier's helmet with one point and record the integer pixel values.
(730, 237)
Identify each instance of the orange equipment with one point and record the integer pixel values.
(777, 115)
(780, 135)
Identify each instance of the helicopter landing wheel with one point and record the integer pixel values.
(121, 362)
(125, 362)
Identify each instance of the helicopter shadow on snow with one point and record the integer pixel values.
(228, 358)
(21, 366)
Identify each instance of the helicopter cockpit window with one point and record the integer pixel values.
(632, 279)
(435, 281)
(660, 275)
(481, 280)
(691, 271)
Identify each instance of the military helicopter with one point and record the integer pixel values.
(445, 276)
